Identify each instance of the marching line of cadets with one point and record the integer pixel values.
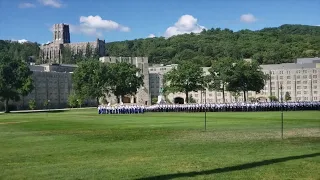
(210, 107)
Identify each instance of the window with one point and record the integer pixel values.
(288, 72)
(305, 98)
(315, 92)
(315, 81)
(315, 98)
(281, 77)
(298, 82)
(305, 76)
(305, 87)
(314, 76)
(305, 92)
(272, 77)
(305, 82)
(304, 71)
(315, 87)
(298, 71)
(272, 83)
(288, 87)
(219, 94)
(273, 88)
(288, 77)
(298, 92)
(298, 87)
(210, 94)
(314, 71)
(298, 77)
(281, 72)
(196, 95)
(288, 82)
(298, 98)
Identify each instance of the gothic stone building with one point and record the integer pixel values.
(52, 52)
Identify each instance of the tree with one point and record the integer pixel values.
(67, 55)
(154, 100)
(91, 80)
(273, 98)
(191, 99)
(15, 80)
(88, 51)
(72, 100)
(217, 79)
(125, 79)
(185, 78)
(245, 76)
(32, 104)
(287, 97)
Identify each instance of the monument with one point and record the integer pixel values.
(161, 99)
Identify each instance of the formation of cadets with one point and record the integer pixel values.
(122, 109)
(237, 107)
(210, 107)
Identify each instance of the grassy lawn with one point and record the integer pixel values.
(81, 144)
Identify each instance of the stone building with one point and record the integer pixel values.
(52, 52)
(53, 84)
(143, 94)
(301, 80)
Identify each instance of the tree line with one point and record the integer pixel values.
(267, 46)
(225, 74)
(93, 79)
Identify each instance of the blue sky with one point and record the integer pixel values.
(117, 20)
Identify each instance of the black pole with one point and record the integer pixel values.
(281, 112)
(205, 109)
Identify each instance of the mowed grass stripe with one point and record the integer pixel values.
(85, 145)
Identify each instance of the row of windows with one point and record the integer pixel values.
(297, 77)
(298, 82)
(297, 71)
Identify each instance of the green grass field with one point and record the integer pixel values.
(80, 144)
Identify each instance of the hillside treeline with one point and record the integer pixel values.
(268, 46)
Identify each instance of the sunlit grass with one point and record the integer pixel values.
(85, 145)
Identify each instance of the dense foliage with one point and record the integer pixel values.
(28, 52)
(267, 46)
(185, 78)
(15, 79)
(94, 79)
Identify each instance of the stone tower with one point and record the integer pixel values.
(61, 33)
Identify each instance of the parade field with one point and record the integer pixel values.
(81, 144)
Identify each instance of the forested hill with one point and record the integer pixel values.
(268, 45)
(22, 51)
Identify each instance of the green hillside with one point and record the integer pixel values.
(269, 45)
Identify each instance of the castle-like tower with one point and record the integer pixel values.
(52, 52)
(61, 33)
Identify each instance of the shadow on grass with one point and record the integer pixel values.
(230, 168)
(32, 112)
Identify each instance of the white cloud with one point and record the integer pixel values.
(248, 18)
(95, 25)
(52, 3)
(151, 36)
(26, 5)
(20, 40)
(185, 24)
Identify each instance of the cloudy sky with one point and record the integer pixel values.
(116, 20)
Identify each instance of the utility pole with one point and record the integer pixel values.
(281, 111)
